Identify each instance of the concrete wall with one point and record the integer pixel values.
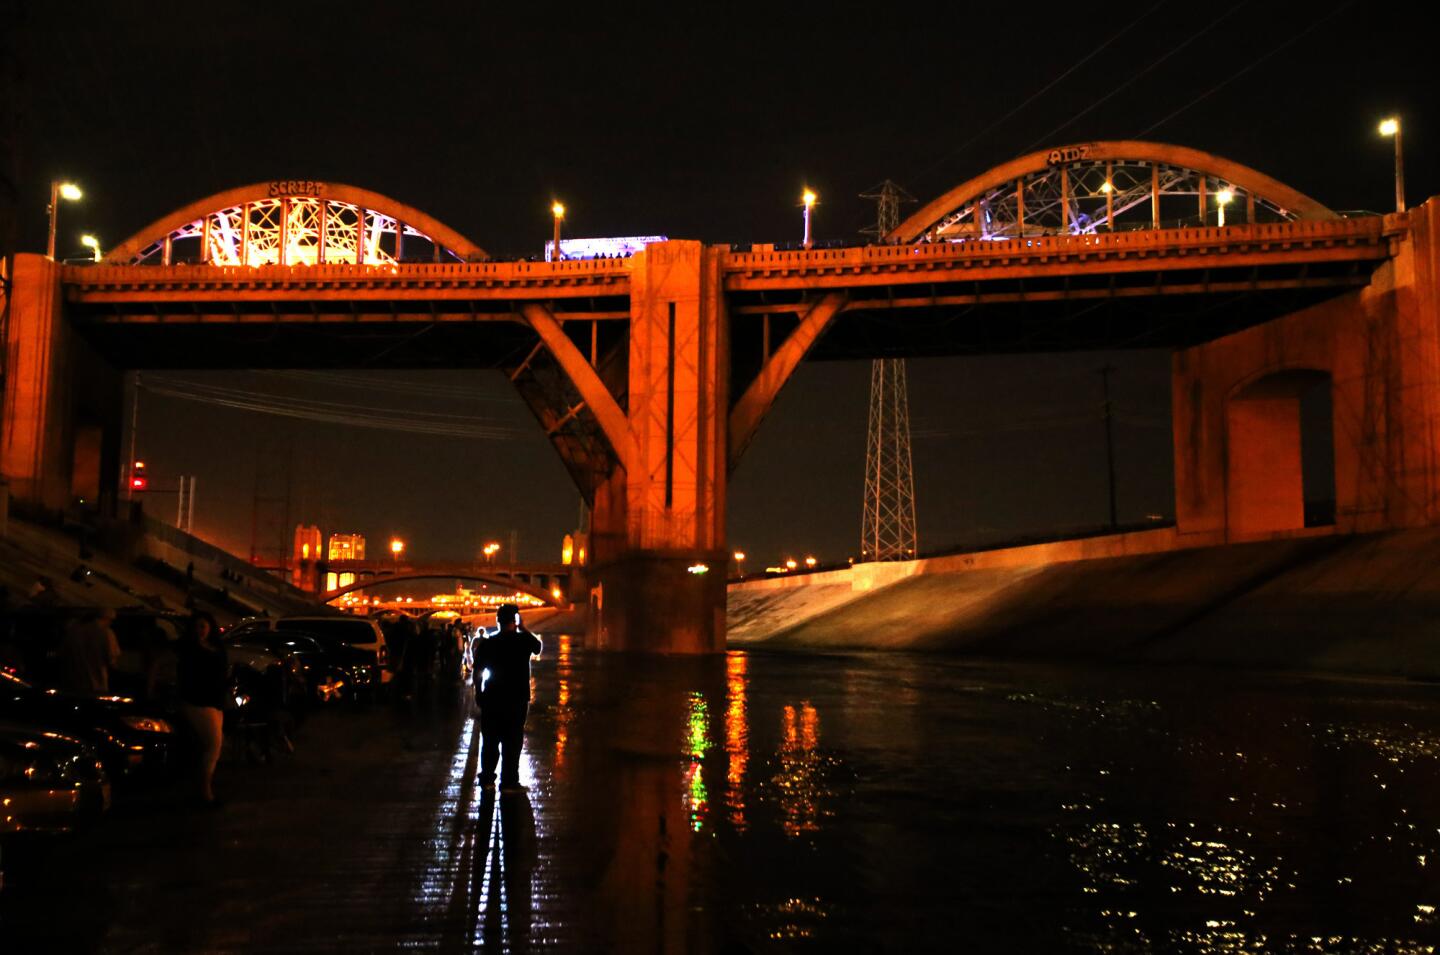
(1341, 603)
(63, 404)
(1236, 428)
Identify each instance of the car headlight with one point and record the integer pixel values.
(146, 724)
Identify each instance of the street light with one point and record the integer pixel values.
(790, 564)
(1223, 198)
(397, 547)
(557, 209)
(740, 563)
(1391, 127)
(93, 244)
(807, 199)
(59, 190)
(490, 550)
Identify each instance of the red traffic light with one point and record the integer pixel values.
(139, 483)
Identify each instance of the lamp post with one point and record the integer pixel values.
(739, 563)
(93, 244)
(397, 547)
(557, 209)
(491, 549)
(1222, 199)
(1391, 127)
(59, 190)
(807, 199)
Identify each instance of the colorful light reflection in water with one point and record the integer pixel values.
(737, 737)
(697, 742)
(564, 712)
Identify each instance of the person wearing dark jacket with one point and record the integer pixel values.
(202, 676)
(502, 689)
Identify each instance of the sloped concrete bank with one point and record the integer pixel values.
(1365, 604)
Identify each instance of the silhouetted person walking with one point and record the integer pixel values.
(502, 689)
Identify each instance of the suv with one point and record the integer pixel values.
(356, 633)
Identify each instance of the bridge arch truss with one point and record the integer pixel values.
(295, 222)
(1105, 186)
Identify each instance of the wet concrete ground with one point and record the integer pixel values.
(765, 802)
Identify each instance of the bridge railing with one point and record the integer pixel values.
(1358, 231)
(437, 273)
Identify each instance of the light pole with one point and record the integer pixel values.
(807, 199)
(557, 209)
(491, 549)
(93, 244)
(397, 547)
(1222, 199)
(1391, 127)
(739, 563)
(59, 190)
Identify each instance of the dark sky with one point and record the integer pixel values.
(696, 122)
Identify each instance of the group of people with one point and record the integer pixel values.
(89, 650)
(500, 675)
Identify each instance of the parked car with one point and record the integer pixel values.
(319, 675)
(49, 782)
(130, 738)
(357, 641)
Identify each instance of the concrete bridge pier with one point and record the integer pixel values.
(657, 562)
(1239, 462)
(63, 403)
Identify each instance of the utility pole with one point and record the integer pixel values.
(887, 525)
(1105, 374)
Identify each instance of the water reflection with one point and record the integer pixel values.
(1014, 809)
(798, 778)
(737, 737)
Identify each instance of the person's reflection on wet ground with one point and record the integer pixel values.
(504, 871)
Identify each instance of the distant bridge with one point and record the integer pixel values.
(541, 581)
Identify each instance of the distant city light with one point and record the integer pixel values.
(698, 569)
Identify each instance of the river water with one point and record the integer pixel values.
(902, 802)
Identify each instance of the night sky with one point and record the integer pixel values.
(696, 123)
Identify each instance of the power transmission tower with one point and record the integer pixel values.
(887, 529)
(888, 196)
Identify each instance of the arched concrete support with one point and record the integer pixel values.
(586, 380)
(61, 420)
(1380, 347)
(1264, 471)
(760, 396)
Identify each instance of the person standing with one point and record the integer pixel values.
(88, 651)
(202, 672)
(502, 689)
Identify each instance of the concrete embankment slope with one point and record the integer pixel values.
(1358, 604)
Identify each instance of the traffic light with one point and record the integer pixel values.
(138, 480)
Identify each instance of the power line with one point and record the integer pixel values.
(1246, 69)
(1042, 91)
(1130, 81)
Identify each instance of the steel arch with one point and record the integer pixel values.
(294, 222)
(1088, 186)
